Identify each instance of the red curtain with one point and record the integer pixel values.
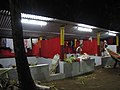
(35, 49)
(50, 47)
(6, 53)
(90, 47)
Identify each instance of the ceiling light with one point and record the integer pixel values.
(86, 26)
(113, 32)
(35, 22)
(85, 29)
(30, 16)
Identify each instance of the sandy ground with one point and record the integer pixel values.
(100, 79)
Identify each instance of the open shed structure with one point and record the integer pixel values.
(55, 49)
(35, 26)
(52, 29)
(57, 37)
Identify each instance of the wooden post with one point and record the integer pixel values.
(75, 43)
(117, 40)
(117, 43)
(98, 38)
(25, 79)
(98, 43)
(62, 35)
(62, 41)
(40, 44)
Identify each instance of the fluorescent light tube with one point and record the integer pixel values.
(23, 15)
(85, 29)
(35, 22)
(86, 26)
(111, 34)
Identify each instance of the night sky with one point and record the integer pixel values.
(101, 13)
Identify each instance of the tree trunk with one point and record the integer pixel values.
(24, 76)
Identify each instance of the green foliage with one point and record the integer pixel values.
(70, 59)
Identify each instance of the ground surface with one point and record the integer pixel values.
(100, 79)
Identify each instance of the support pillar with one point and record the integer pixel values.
(40, 45)
(98, 43)
(117, 41)
(75, 44)
(117, 44)
(62, 42)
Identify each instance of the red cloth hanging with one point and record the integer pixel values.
(35, 50)
(6, 53)
(90, 47)
(50, 47)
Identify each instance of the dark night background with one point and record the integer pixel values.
(100, 13)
